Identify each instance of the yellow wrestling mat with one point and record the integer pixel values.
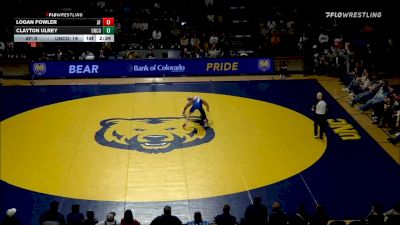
(247, 147)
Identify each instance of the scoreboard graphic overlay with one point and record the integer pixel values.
(64, 29)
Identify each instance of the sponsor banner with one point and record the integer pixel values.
(151, 67)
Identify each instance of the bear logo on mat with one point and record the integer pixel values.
(152, 135)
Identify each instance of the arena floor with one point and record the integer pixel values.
(69, 143)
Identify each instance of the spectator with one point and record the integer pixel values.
(2, 49)
(320, 217)
(213, 39)
(166, 218)
(195, 42)
(150, 54)
(283, 67)
(214, 51)
(101, 54)
(323, 66)
(196, 47)
(75, 217)
(198, 220)
(156, 35)
(385, 112)
(301, 217)
(323, 39)
(394, 140)
(186, 53)
(204, 41)
(275, 40)
(11, 218)
(359, 84)
(132, 55)
(378, 97)
(392, 217)
(369, 93)
(375, 217)
(59, 54)
(110, 220)
(89, 55)
(277, 216)
(184, 43)
(338, 64)
(10, 50)
(90, 219)
(257, 213)
(128, 218)
(52, 215)
(151, 46)
(303, 42)
(225, 218)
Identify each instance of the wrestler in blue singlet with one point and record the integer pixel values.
(197, 104)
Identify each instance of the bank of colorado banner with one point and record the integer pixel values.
(151, 67)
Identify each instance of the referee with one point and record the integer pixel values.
(319, 108)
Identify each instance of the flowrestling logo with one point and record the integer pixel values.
(354, 15)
